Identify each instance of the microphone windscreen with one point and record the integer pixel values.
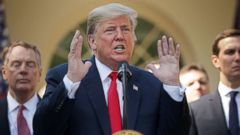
(123, 70)
(121, 64)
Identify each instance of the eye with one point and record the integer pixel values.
(110, 30)
(229, 52)
(31, 64)
(190, 84)
(15, 64)
(202, 82)
(125, 29)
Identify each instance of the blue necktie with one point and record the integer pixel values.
(233, 115)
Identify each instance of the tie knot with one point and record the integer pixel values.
(21, 107)
(113, 75)
(233, 94)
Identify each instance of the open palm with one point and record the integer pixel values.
(168, 72)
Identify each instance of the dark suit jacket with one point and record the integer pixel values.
(151, 110)
(4, 124)
(208, 116)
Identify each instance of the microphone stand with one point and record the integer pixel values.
(124, 86)
(124, 74)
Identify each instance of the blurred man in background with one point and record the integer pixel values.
(22, 71)
(218, 113)
(195, 78)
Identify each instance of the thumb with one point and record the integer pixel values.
(87, 65)
(152, 68)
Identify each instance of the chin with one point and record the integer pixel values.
(22, 88)
(120, 59)
(235, 77)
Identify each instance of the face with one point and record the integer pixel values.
(228, 61)
(113, 41)
(196, 83)
(21, 71)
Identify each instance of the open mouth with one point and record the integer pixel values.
(119, 48)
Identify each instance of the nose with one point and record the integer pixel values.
(23, 69)
(197, 85)
(238, 56)
(119, 35)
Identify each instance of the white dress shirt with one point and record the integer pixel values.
(174, 91)
(225, 98)
(28, 113)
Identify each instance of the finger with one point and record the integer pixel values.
(159, 47)
(165, 45)
(177, 54)
(171, 46)
(74, 40)
(79, 46)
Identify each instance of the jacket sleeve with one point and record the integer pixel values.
(53, 111)
(172, 116)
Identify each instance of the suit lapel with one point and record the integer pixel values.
(4, 124)
(92, 83)
(133, 93)
(94, 86)
(219, 116)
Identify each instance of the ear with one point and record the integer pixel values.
(40, 73)
(91, 42)
(215, 61)
(4, 72)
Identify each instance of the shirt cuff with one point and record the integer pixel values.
(70, 86)
(175, 92)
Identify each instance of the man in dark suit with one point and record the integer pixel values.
(212, 114)
(76, 101)
(22, 71)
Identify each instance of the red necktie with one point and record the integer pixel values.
(21, 122)
(113, 104)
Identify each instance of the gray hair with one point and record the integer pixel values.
(107, 12)
(23, 44)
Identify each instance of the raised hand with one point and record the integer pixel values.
(76, 68)
(168, 72)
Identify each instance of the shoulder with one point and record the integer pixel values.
(143, 75)
(3, 101)
(57, 71)
(3, 104)
(204, 101)
(58, 68)
(62, 68)
(146, 81)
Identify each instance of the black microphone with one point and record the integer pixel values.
(123, 71)
(124, 75)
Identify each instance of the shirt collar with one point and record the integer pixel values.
(225, 90)
(29, 105)
(12, 103)
(103, 70)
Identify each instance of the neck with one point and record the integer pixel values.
(21, 97)
(230, 82)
